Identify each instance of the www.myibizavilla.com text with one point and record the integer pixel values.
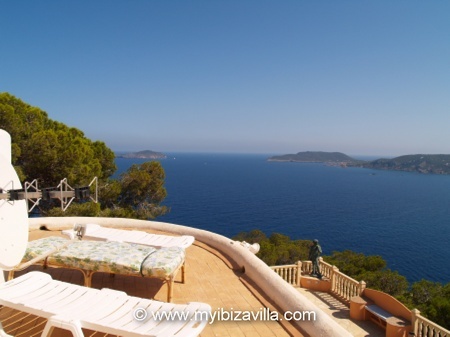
(263, 314)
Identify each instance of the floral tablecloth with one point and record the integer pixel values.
(109, 256)
(43, 246)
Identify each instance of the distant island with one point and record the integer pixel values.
(421, 163)
(147, 154)
(336, 158)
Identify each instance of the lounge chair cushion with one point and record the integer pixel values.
(109, 256)
(43, 247)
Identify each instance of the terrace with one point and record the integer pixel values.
(220, 274)
(210, 278)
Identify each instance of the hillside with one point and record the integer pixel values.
(147, 154)
(316, 157)
(422, 163)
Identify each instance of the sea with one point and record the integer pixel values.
(402, 216)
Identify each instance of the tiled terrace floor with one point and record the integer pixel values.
(341, 314)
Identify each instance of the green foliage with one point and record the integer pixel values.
(354, 264)
(254, 236)
(386, 280)
(278, 249)
(439, 308)
(106, 159)
(372, 269)
(90, 209)
(424, 291)
(49, 150)
(138, 193)
(432, 299)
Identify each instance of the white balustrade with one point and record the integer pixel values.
(345, 287)
(290, 273)
(423, 327)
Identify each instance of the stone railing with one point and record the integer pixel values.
(342, 286)
(326, 269)
(306, 266)
(291, 273)
(345, 287)
(423, 327)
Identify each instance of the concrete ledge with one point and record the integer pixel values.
(313, 283)
(283, 294)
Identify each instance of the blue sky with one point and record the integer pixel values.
(359, 77)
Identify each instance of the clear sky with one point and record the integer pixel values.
(359, 77)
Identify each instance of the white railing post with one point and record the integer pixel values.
(414, 321)
(299, 273)
(334, 270)
(361, 287)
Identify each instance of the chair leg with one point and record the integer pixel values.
(87, 277)
(64, 323)
(183, 272)
(170, 289)
(47, 330)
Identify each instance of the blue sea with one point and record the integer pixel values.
(402, 216)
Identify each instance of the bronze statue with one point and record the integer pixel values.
(314, 253)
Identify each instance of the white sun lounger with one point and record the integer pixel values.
(72, 307)
(99, 233)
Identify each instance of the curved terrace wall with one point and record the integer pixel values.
(388, 303)
(284, 295)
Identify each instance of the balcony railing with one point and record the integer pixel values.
(423, 327)
(344, 288)
(291, 273)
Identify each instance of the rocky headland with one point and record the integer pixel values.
(421, 163)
